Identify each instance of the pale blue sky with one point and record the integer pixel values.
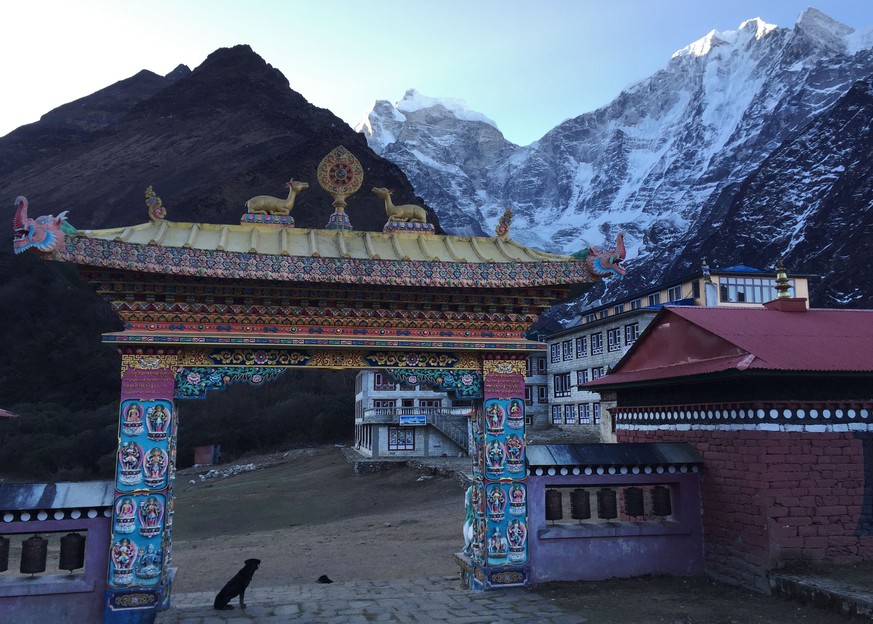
(528, 65)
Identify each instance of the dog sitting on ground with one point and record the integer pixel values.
(237, 586)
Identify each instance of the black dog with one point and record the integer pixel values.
(237, 586)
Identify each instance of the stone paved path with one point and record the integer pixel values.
(431, 600)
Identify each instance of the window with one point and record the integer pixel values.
(561, 383)
(401, 438)
(555, 352)
(430, 403)
(631, 333)
(461, 403)
(542, 394)
(581, 377)
(567, 349)
(584, 414)
(596, 373)
(570, 414)
(749, 289)
(695, 289)
(528, 395)
(636, 304)
(541, 366)
(613, 339)
(655, 299)
(556, 414)
(528, 367)
(382, 382)
(618, 309)
(597, 343)
(590, 318)
(383, 403)
(674, 293)
(604, 313)
(596, 410)
(581, 346)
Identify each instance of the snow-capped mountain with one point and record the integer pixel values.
(660, 162)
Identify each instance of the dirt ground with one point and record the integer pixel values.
(309, 515)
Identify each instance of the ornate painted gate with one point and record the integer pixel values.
(208, 305)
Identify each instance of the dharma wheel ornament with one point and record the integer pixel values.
(340, 174)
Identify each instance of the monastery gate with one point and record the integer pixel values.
(206, 305)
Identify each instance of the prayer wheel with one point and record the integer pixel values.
(607, 508)
(580, 505)
(661, 501)
(4, 553)
(633, 501)
(72, 552)
(34, 551)
(554, 505)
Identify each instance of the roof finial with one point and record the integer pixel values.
(504, 223)
(707, 277)
(783, 286)
(157, 212)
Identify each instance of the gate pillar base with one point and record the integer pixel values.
(135, 606)
(480, 578)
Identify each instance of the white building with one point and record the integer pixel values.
(396, 420)
(603, 334)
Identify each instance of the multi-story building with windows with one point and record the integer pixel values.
(396, 420)
(601, 335)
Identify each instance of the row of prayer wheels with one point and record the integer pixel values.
(607, 503)
(34, 553)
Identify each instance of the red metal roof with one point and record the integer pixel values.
(824, 340)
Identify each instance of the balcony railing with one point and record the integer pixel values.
(439, 417)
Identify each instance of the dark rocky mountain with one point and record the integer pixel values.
(206, 140)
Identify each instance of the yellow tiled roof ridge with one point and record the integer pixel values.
(271, 239)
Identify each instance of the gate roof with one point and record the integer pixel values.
(257, 251)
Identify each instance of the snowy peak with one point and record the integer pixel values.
(383, 124)
(750, 29)
(414, 101)
(823, 29)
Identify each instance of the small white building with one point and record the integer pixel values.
(396, 420)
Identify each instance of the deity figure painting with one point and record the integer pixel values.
(130, 460)
(125, 515)
(131, 420)
(149, 566)
(151, 511)
(124, 553)
(517, 500)
(155, 467)
(496, 457)
(497, 545)
(494, 417)
(158, 422)
(496, 503)
(516, 414)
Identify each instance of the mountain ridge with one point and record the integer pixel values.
(660, 162)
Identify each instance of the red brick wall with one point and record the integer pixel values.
(772, 499)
